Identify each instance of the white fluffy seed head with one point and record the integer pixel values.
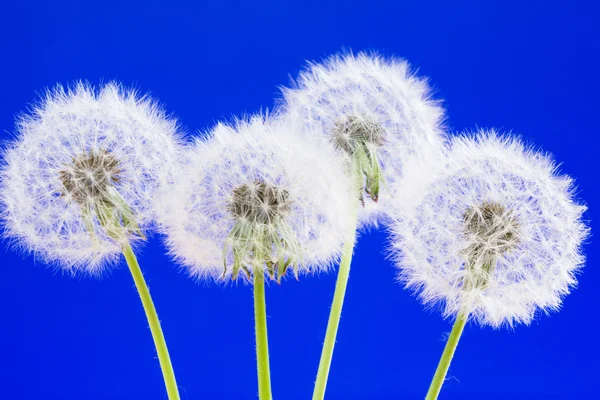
(82, 159)
(373, 109)
(256, 193)
(495, 232)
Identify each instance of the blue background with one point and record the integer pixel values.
(529, 68)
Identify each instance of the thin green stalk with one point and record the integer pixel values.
(335, 314)
(157, 334)
(262, 342)
(444, 364)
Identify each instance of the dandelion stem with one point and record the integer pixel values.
(262, 343)
(335, 314)
(444, 364)
(157, 334)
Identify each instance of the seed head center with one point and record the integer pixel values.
(259, 202)
(493, 229)
(354, 131)
(90, 175)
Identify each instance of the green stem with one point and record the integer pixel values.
(262, 343)
(442, 369)
(157, 334)
(335, 314)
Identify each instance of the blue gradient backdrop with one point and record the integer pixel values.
(528, 68)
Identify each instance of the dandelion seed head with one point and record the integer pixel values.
(258, 197)
(495, 231)
(377, 112)
(83, 161)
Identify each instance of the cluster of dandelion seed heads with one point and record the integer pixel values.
(355, 98)
(88, 178)
(259, 202)
(84, 155)
(247, 184)
(495, 232)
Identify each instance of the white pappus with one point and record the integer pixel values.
(495, 234)
(82, 171)
(376, 111)
(256, 195)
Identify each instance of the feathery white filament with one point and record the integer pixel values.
(495, 232)
(373, 102)
(258, 174)
(81, 154)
